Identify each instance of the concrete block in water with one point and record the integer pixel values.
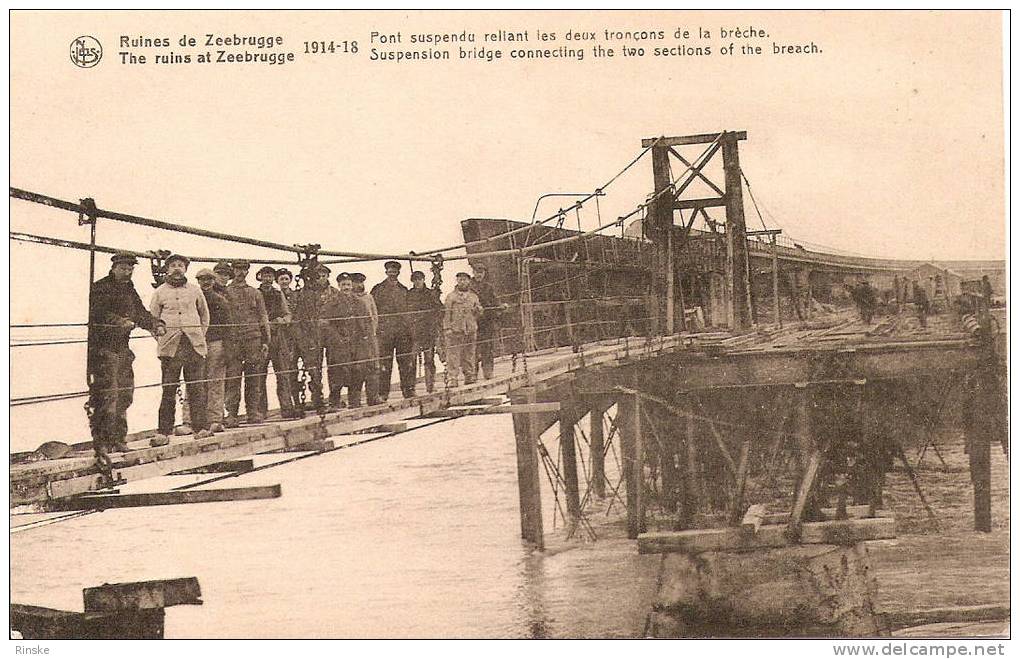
(803, 590)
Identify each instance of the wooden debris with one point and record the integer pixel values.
(841, 532)
(226, 467)
(172, 498)
(903, 619)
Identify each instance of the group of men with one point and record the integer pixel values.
(223, 334)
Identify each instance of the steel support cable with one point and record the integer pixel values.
(293, 323)
(593, 195)
(47, 398)
(426, 255)
(72, 244)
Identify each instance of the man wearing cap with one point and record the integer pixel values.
(488, 324)
(218, 339)
(369, 346)
(251, 349)
(460, 327)
(425, 311)
(114, 310)
(309, 323)
(285, 281)
(339, 310)
(182, 307)
(278, 311)
(394, 332)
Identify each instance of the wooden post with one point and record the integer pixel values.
(568, 417)
(629, 423)
(983, 423)
(662, 233)
(777, 311)
(670, 275)
(598, 447)
(736, 240)
(810, 460)
(693, 490)
(529, 468)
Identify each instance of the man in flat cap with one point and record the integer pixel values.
(285, 281)
(460, 327)
(278, 311)
(251, 349)
(394, 335)
(182, 307)
(488, 324)
(114, 310)
(309, 324)
(426, 312)
(218, 339)
(367, 348)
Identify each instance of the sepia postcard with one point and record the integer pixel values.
(509, 325)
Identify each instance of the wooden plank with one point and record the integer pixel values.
(226, 467)
(840, 532)
(978, 613)
(105, 502)
(853, 512)
(568, 450)
(737, 503)
(711, 202)
(629, 423)
(685, 140)
(134, 596)
(80, 485)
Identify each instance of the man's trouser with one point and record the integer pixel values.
(215, 372)
(311, 361)
(460, 357)
(485, 348)
(193, 365)
(362, 373)
(426, 348)
(280, 356)
(398, 341)
(247, 361)
(110, 396)
(338, 362)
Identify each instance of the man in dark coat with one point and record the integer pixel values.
(251, 349)
(278, 312)
(425, 312)
(394, 334)
(488, 324)
(308, 325)
(285, 280)
(114, 310)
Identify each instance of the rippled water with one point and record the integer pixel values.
(415, 535)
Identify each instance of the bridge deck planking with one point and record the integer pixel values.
(37, 482)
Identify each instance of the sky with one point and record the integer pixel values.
(888, 143)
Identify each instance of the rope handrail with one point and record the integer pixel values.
(47, 398)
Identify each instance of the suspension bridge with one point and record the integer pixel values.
(752, 409)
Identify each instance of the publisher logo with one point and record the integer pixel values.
(86, 51)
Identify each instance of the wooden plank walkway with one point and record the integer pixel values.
(36, 482)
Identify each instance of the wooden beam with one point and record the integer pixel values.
(843, 532)
(597, 447)
(684, 140)
(527, 434)
(679, 156)
(685, 204)
(133, 596)
(226, 467)
(959, 614)
(633, 461)
(736, 241)
(568, 450)
(105, 502)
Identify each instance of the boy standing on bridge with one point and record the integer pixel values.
(114, 310)
(279, 314)
(460, 326)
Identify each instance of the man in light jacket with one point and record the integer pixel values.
(460, 325)
(182, 307)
